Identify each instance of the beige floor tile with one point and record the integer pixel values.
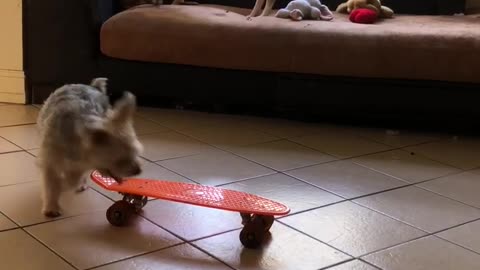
(27, 136)
(353, 265)
(215, 168)
(20, 251)
(89, 240)
(353, 229)
(150, 171)
(191, 222)
(396, 138)
(297, 195)
(341, 144)
(144, 126)
(227, 136)
(466, 235)
(5, 223)
(182, 257)
(184, 120)
(27, 210)
(286, 250)
(18, 167)
(11, 115)
(282, 155)
(420, 208)
(281, 128)
(167, 145)
(462, 187)
(6, 146)
(346, 179)
(461, 153)
(403, 165)
(425, 254)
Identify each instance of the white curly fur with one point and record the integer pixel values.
(81, 132)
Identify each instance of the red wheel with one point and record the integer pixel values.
(119, 213)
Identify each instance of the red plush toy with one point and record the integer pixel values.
(363, 15)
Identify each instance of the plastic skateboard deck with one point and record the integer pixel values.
(195, 194)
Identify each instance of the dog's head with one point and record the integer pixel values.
(113, 146)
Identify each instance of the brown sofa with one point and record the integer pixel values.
(443, 48)
(416, 69)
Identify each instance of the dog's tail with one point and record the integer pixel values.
(100, 84)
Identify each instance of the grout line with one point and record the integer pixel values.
(135, 256)
(21, 148)
(429, 158)
(369, 263)
(337, 264)
(432, 234)
(19, 125)
(309, 236)
(51, 250)
(446, 197)
(211, 255)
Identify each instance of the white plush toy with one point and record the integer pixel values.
(298, 10)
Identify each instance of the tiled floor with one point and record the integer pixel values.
(361, 199)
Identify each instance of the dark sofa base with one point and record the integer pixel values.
(442, 106)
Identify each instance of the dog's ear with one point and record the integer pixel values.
(124, 109)
(100, 84)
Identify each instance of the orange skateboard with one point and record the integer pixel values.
(257, 212)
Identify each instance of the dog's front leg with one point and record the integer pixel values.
(52, 188)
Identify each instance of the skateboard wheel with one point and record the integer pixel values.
(253, 233)
(267, 222)
(119, 213)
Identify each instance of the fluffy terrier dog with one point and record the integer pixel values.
(81, 132)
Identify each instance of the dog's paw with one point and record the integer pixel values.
(52, 213)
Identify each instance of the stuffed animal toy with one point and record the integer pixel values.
(374, 5)
(298, 10)
(363, 15)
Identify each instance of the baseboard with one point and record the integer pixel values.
(12, 98)
(12, 86)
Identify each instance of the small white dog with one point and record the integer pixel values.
(81, 132)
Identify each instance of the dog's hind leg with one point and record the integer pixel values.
(257, 8)
(52, 188)
(268, 7)
(79, 179)
(183, 2)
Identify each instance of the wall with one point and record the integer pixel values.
(12, 78)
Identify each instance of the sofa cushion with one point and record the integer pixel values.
(406, 47)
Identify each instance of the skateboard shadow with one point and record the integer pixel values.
(253, 257)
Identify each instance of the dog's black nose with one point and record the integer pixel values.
(137, 170)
